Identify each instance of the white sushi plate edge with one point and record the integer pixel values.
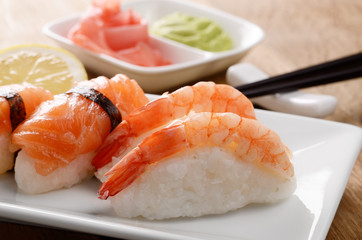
(324, 155)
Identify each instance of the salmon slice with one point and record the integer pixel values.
(72, 124)
(17, 102)
(30, 96)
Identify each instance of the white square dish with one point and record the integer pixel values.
(324, 155)
(188, 63)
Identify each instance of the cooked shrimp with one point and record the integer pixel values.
(202, 97)
(246, 138)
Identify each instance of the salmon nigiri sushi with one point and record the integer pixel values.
(59, 141)
(17, 102)
(208, 163)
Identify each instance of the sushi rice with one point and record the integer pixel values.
(202, 181)
(29, 181)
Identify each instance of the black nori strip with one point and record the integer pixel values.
(17, 107)
(100, 99)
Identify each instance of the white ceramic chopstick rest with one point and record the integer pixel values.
(296, 102)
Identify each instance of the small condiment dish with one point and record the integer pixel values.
(188, 63)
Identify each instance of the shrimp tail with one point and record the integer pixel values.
(115, 144)
(155, 147)
(105, 155)
(122, 175)
(119, 140)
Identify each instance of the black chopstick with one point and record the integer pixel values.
(337, 70)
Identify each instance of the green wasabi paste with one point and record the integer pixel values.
(198, 32)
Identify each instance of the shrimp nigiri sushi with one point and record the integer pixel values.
(208, 163)
(59, 141)
(201, 97)
(17, 102)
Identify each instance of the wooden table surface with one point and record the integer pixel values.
(299, 33)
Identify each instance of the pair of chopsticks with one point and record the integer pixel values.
(337, 70)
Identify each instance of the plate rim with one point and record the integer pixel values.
(48, 216)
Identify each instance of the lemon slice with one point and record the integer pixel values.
(45, 66)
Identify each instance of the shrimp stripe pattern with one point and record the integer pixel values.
(16, 105)
(201, 97)
(246, 138)
(92, 94)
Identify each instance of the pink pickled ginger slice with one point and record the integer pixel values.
(105, 28)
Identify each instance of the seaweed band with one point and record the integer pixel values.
(17, 107)
(100, 99)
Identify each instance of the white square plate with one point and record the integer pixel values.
(324, 152)
(188, 63)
